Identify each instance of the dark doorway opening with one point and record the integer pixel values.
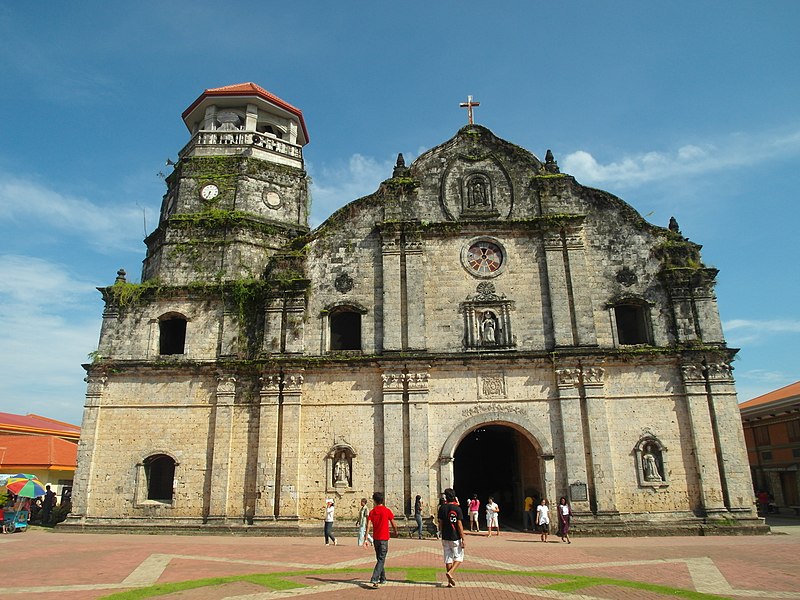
(497, 461)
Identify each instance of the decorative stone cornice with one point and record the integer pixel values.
(720, 372)
(226, 385)
(393, 382)
(593, 376)
(417, 381)
(693, 373)
(568, 377)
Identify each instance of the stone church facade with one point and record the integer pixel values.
(482, 321)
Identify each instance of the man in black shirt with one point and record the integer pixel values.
(451, 525)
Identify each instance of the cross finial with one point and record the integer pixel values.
(468, 105)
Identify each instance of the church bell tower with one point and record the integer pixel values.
(238, 192)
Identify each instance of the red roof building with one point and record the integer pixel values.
(772, 433)
(39, 446)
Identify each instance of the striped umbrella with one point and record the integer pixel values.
(27, 486)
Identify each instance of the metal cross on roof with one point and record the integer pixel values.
(468, 105)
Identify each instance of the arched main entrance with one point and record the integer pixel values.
(501, 462)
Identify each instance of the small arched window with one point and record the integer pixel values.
(345, 330)
(632, 323)
(159, 471)
(172, 334)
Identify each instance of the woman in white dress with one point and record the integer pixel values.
(543, 519)
(491, 517)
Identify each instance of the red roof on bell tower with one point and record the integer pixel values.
(249, 89)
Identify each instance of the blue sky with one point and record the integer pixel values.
(684, 108)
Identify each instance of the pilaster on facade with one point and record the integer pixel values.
(273, 326)
(703, 438)
(229, 333)
(268, 432)
(417, 381)
(581, 307)
(599, 439)
(290, 436)
(734, 466)
(567, 383)
(392, 290)
(223, 415)
(293, 334)
(413, 282)
(559, 289)
(90, 426)
(393, 394)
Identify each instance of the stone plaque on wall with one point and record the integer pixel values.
(578, 492)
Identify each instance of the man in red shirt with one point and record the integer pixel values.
(379, 520)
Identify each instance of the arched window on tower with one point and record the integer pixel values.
(631, 322)
(172, 334)
(159, 471)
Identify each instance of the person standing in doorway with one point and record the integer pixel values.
(543, 519)
(329, 508)
(451, 524)
(418, 515)
(48, 505)
(363, 514)
(491, 517)
(564, 516)
(527, 514)
(474, 509)
(379, 520)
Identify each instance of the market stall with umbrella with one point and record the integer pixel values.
(21, 485)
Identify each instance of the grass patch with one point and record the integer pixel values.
(279, 581)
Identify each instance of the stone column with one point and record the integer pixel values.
(702, 439)
(559, 289)
(393, 467)
(706, 309)
(392, 292)
(599, 441)
(273, 326)
(229, 333)
(294, 334)
(418, 430)
(289, 498)
(87, 446)
(583, 310)
(266, 474)
(736, 478)
(223, 439)
(568, 380)
(415, 292)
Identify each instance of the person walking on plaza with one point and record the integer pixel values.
(329, 508)
(48, 505)
(564, 516)
(379, 520)
(543, 519)
(363, 514)
(418, 515)
(491, 517)
(527, 514)
(451, 524)
(474, 508)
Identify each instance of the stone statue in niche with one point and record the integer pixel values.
(489, 328)
(341, 470)
(478, 193)
(650, 464)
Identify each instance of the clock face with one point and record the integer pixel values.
(484, 258)
(209, 191)
(272, 199)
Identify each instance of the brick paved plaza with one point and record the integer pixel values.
(516, 565)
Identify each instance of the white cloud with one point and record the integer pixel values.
(742, 332)
(105, 227)
(46, 332)
(690, 159)
(335, 186)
